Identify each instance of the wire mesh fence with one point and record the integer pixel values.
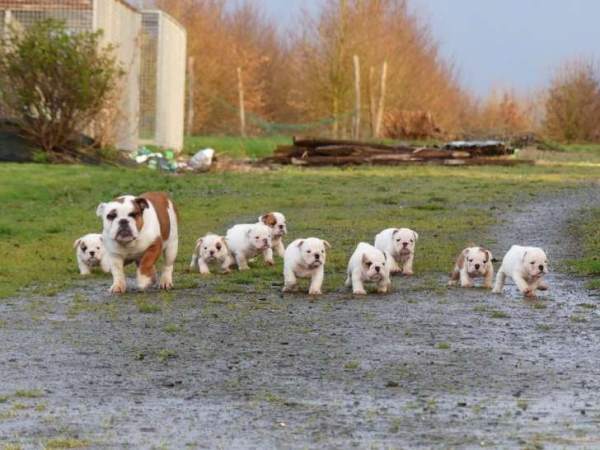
(151, 48)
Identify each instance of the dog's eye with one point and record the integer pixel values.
(411, 240)
(133, 215)
(97, 248)
(84, 248)
(308, 251)
(369, 264)
(111, 216)
(398, 240)
(218, 246)
(205, 248)
(257, 237)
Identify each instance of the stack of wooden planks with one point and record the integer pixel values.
(333, 152)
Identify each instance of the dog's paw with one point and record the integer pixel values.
(315, 292)
(166, 283)
(529, 293)
(359, 292)
(118, 288)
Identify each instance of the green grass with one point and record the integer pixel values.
(45, 208)
(236, 147)
(588, 231)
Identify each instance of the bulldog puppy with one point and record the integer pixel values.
(276, 221)
(473, 262)
(247, 241)
(90, 253)
(527, 267)
(211, 249)
(139, 229)
(305, 258)
(368, 264)
(400, 244)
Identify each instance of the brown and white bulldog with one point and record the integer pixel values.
(276, 221)
(139, 229)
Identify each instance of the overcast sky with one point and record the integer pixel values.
(498, 43)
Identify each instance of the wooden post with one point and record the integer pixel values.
(190, 111)
(242, 107)
(381, 107)
(357, 106)
(372, 101)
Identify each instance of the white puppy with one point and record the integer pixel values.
(210, 249)
(368, 264)
(140, 229)
(527, 267)
(247, 241)
(305, 258)
(276, 221)
(473, 262)
(400, 244)
(90, 253)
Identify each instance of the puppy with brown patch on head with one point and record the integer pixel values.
(140, 229)
(211, 249)
(90, 253)
(473, 262)
(400, 244)
(527, 266)
(305, 258)
(245, 241)
(277, 222)
(368, 264)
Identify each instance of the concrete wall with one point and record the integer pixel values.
(168, 66)
(122, 26)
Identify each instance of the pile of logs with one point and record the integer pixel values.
(330, 152)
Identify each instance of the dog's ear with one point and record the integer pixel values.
(488, 254)
(326, 244)
(141, 203)
(199, 244)
(300, 244)
(365, 260)
(385, 256)
(76, 243)
(396, 231)
(100, 209)
(249, 232)
(524, 255)
(269, 219)
(416, 235)
(101, 238)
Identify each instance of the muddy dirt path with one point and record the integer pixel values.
(440, 369)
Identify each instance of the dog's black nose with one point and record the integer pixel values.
(92, 253)
(212, 252)
(377, 269)
(317, 256)
(541, 268)
(281, 227)
(405, 244)
(477, 266)
(123, 222)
